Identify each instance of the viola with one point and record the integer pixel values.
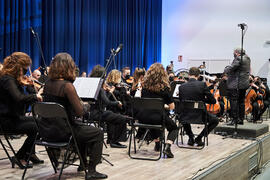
(214, 108)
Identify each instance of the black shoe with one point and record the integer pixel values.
(35, 160)
(20, 162)
(199, 142)
(167, 151)
(157, 146)
(117, 145)
(230, 123)
(240, 122)
(95, 175)
(190, 142)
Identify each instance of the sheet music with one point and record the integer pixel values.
(176, 91)
(87, 87)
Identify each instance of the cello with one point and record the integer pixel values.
(214, 108)
(250, 97)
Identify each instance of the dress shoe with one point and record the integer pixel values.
(167, 151)
(95, 175)
(20, 162)
(241, 122)
(199, 142)
(230, 123)
(190, 142)
(157, 146)
(34, 159)
(117, 145)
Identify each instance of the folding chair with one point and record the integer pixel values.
(198, 106)
(43, 111)
(139, 105)
(8, 146)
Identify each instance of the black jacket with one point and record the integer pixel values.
(196, 91)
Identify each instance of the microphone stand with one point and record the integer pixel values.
(235, 133)
(35, 34)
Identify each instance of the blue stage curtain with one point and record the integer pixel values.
(87, 29)
(16, 18)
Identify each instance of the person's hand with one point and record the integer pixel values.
(120, 104)
(39, 97)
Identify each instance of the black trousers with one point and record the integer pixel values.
(212, 123)
(90, 142)
(237, 99)
(116, 124)
(21, 125)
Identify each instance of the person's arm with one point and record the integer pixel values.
(106, 100)
(235, 64)
(19, 97)
(71, 94)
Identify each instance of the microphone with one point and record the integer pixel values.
(242, 25)
(33, 32)
(118, 49)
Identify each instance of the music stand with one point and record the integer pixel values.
(223, 93)
(88, 89)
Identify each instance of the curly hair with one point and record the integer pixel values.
(14, 64)
(137, 74)
(62, 66)
(156, 78)
(114, 77)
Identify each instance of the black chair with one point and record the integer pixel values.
(48, 110)
(8, 147)
(139, 105)
(194, 106)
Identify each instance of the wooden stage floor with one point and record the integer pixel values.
(185, 165)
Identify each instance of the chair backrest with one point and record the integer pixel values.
(192, 111)
(143, 106)
(52, 121)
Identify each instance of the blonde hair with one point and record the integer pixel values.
(156, 78)
(14, 64)
(114, 77)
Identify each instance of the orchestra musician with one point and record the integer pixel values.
(13, 103)
(126, 78)
(116, 123)
(59, 88)
(237, 84)
(156, 85)
(136, 89)
(197, 91)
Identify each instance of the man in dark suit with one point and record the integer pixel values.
(197, 91)
(237, 84)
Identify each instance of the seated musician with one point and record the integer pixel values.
(156, 85)
(197, 91)
(136, 89)
(126, 75)
(265, 92)
(13, 104)
(59, 88)
(116, 123)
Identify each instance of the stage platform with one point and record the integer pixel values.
(224, 158)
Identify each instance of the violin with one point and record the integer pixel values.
(130, 80)
(110, 89)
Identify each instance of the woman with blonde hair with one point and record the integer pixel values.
(156, 85)
(13, 103)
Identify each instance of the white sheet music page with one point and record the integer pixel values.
(176, 91)
(87, 87)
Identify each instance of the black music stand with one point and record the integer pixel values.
(223, 92)
(88, 89)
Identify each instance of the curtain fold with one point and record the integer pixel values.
(87, 29)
